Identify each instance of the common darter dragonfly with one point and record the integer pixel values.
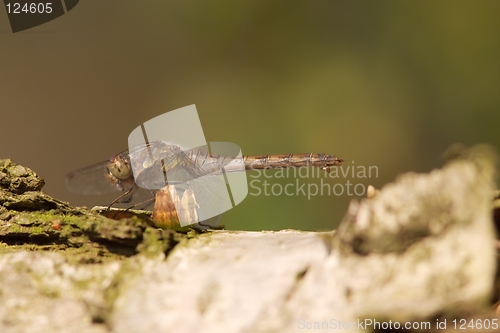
(157, 164)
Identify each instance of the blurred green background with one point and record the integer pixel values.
(390, 84)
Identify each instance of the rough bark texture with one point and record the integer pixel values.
(423, 248)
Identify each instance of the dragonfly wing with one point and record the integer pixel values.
(160, 164)
(91, 180)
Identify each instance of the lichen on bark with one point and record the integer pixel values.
(32, 220)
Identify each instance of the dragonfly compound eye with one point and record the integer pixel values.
(119, 168)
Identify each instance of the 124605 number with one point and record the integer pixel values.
(473, 324)
(32, 8)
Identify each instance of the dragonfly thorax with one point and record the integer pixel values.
(159, 155)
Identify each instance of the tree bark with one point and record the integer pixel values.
(420, 251)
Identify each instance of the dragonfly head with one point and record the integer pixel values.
(119, 168)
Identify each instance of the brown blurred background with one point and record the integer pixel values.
(389, 84)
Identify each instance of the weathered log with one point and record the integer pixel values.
(421, 250)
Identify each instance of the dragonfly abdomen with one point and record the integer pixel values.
(323, 161)
(231, 164)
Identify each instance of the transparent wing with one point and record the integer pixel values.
(90, 180)
(93, 180)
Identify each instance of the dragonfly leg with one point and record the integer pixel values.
(124, 194)
(140, 203)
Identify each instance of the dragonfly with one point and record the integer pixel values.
(162, 170)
